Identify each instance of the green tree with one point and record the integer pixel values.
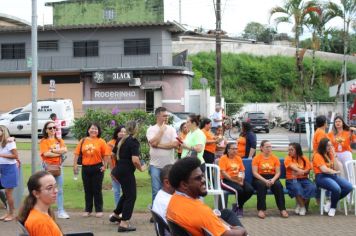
(253, 30)
(295, 12)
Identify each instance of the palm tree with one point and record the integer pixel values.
(295, 11)
(317, 21)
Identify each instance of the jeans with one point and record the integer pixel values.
(155, 180)
(59, 181)
(300, 187)
(338, 186)
(116, 186)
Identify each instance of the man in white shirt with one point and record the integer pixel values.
(164, 195)
(162, 140)
(216, 119)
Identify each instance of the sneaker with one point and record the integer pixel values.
(63, 215)
(302, 211)
(332, 212)
(297, 209)
(99, 214)
(327, 206)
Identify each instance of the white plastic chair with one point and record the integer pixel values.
(213, 187)
(322, 202)
(351, 177)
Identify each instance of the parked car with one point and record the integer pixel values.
(257, 120)
(297, 123)
(176, 121)
(182, 115)
(20, 124)
(11, 113)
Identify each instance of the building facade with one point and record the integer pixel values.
(98, 66)
(76, 12)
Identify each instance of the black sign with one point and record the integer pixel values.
(100, 77)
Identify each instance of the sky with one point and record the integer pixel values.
(195, 13)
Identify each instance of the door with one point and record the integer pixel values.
(20, 124)
(150, 101)
(157, 98)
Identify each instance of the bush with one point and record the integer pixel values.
(108, 121)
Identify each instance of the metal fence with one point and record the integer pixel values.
(101, 61)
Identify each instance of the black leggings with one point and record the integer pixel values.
(126, 177)
(93, 181)
(209, 157)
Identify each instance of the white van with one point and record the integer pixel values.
(20, 124)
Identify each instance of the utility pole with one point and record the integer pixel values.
(180, 11)
(34, 126)
(218, 52)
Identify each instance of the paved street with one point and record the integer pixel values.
(314, 225)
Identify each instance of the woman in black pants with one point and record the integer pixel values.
(95, 156)
(128, 152)
(266, 171)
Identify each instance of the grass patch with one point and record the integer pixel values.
(74, 193)
(27, 146)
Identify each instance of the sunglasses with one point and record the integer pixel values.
(51, 128)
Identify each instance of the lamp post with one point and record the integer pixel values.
(34, 126)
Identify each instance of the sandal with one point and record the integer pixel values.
(86, 214)
(261, 214)
(4, 217)
(284, 214)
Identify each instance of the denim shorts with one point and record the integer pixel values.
(9, 175)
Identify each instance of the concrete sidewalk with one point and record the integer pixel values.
(313, 225)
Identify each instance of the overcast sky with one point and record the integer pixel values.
(196, 13)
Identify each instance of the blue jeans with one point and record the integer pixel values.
(116, 186)
(59, 181)
(301, 187)
(338, 186)
(155, 180)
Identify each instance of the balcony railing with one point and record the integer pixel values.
(53, 63)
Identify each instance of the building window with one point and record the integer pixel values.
(86, 48)
(61, 79)
(109, 14)
(136, 46)
(13, 51)
(48, 45)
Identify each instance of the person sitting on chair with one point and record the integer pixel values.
(187, 210)
(164, 195)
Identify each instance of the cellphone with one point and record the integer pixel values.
(142, 162)
(179, 140)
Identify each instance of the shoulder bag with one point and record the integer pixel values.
(80, 156)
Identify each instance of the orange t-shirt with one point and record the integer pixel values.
(318, 161)
(193, 215)
(46, 144)
(40, 224)
(288, 161)
(210, 147)
(241, 146)
(232, 166)
(111, 145)
(266, 166)
(342, 141)
(93, 150)
(318, 135)
(182, 137)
